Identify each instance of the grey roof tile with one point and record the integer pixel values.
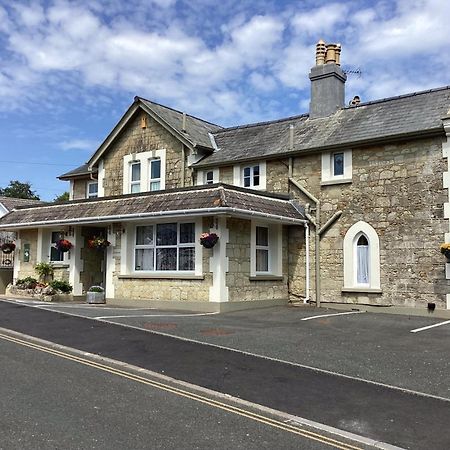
(11, 203)
(211, 198)
(384, 119)
(79, 171)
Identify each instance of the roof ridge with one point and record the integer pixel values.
(397, 97)
(177, 111)
(267, 122)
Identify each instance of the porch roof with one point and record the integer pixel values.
(214, 199)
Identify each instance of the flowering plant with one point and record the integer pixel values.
(96, 289)
(445, 249)
(63, 245)
(8, 247)
(98, 242)
(208, 240)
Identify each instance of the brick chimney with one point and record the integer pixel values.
(327, 81)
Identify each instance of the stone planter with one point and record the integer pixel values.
(95, 297)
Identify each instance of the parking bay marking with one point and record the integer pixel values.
(187, 394)
(331, 315)
(430, 326)
(154, 315)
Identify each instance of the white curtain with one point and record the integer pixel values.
(362, 264)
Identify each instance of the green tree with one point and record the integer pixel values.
(18, 189)
(64, 197)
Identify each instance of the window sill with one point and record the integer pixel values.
(336, 181)
(161, 276)
(57, 265)
(266, 278)
(362, 290)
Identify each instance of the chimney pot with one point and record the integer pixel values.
(320, 53)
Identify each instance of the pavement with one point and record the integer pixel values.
(364, 343)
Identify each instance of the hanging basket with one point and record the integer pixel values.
(63, 245)
(209, 240)
(8, 247)
(98, 243)
(445, 250)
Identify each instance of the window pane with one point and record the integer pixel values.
(155, 168)
(135, 188)
(262, 260)
(136, 172)
(166, 259)
(166, 234)
(155, 186)
(93, 189)
(144, 259)
(144, 235)
(338, 164)
(262, 236)
(362, 240)
(187, 233)
(256, 170)
(56, 255)
(187, 259)
(210, 177)
(256, 180)
(362, 264)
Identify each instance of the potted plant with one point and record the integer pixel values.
(95, 294)
(445, 250)
(98, 243)
(208, 240)
(8, 247)
(44, 270)
(63, 245)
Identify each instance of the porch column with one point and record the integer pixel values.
(218, 263)
(110, 262)
(75, 262)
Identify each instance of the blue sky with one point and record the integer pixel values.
(70, 69)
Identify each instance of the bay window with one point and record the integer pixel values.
(165, 247)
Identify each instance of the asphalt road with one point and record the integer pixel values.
(374, 411)
(51, 403)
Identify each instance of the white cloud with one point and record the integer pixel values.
(79, 144)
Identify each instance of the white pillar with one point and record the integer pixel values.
(218, 263)
(75, 262)
(110, 264)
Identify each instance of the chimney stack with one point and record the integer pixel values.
(327, 81)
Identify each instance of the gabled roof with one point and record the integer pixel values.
(81, 171)
(412, 115)
(11, 203)
(196, 134)
(214, 199)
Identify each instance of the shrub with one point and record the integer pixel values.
(96, 289)
(44, 269)
(27, 283)
(61, 286)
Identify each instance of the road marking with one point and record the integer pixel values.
(430, 326)
(155, 315)
(330, 315)
(186, 394)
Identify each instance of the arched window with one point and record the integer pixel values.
(361, 258)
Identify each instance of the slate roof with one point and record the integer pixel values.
(196, 129)
(11, 203)
(79, 171)
(392, 118)
(186, 202)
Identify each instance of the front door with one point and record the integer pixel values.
(93, 259)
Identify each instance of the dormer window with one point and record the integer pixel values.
(155, 174)
(135, 177)
(250, 176)
(92, 189)
(209, 177)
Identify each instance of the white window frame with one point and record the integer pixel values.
(275, 247)
(145, 159)
(265, 248)
(351, 258)
(88, 185)
(202, 174)
(328, 176)
(238, 175)
(154, 180)
(52, 246)
(135, 182)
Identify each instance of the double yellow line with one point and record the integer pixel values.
(183, 393)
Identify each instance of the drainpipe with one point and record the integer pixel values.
(316, 223)
(306, 300)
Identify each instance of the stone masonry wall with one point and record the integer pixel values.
(79, 188)
(398, 190)
(137, 139)
(27, 268)
(240, 288)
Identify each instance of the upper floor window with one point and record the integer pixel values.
(155, 174)
(209, 177)
(55, 254)
(165, 247)
(250, 176)
(92, 189)
(336, 167)
(135, 177)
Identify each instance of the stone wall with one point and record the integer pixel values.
(240, 287)
(79, 188)
(27, 268)
(398, 190)
(134, 139)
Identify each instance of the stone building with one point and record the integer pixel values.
(346, 204)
